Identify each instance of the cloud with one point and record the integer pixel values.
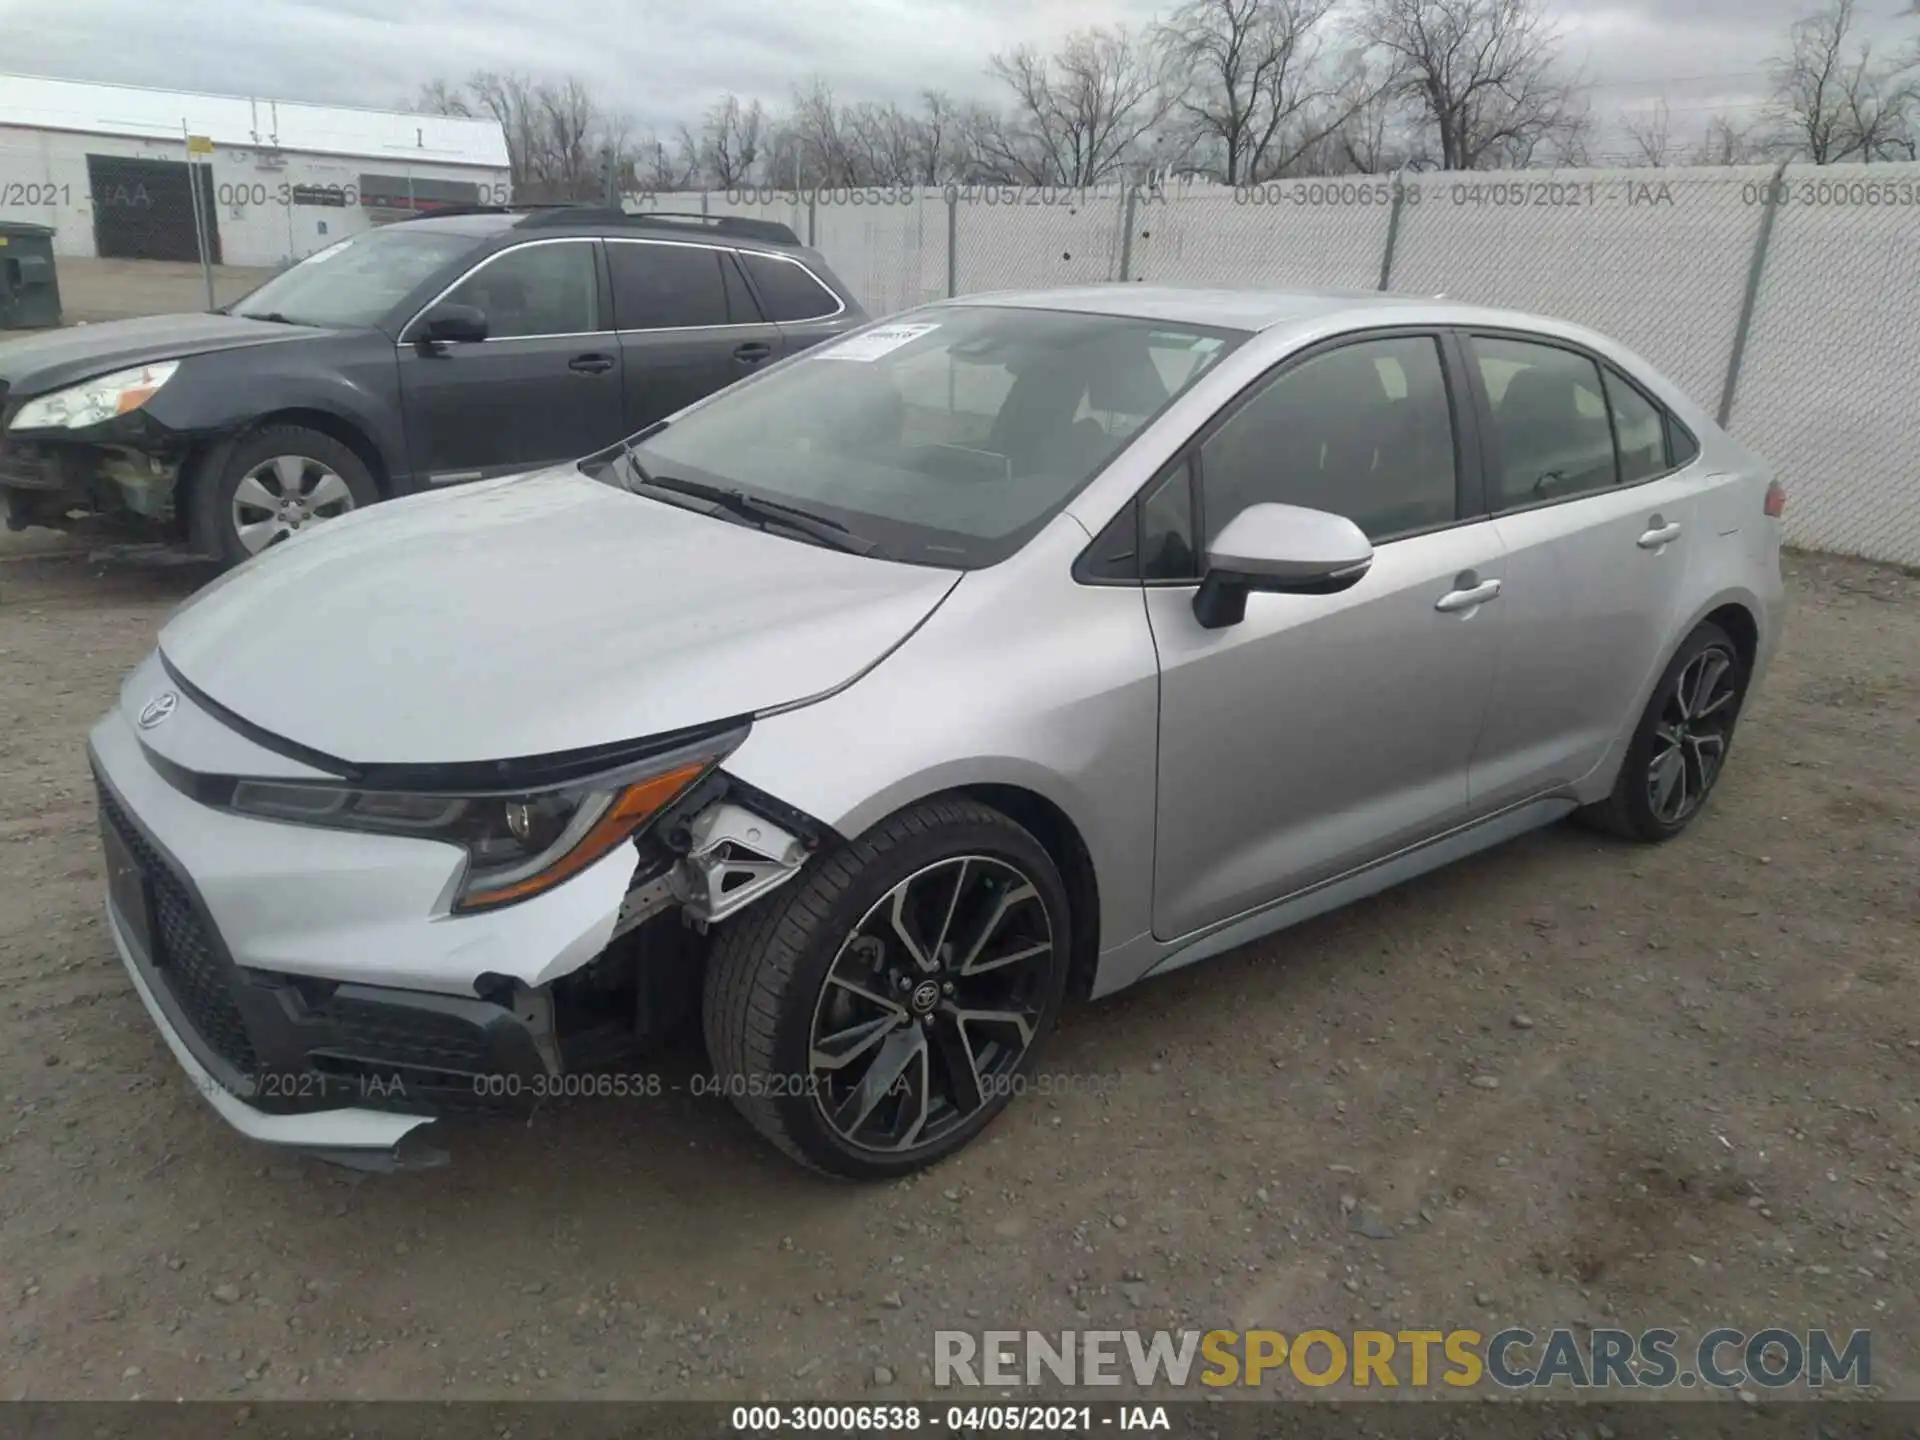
(662, 63)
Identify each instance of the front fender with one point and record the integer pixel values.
(1022, 678)
(353, 380)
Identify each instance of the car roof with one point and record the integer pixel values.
(1256, 310)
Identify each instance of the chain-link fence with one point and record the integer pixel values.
(1785, 300)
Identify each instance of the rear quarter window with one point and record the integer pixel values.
(788, 291)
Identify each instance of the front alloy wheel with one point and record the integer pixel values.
(271, 483)
(880, 1013)
(283, 494)
(931, 1004)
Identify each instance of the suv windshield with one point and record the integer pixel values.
(357, 281)
(947, 436)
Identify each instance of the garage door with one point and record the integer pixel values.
(143, 209)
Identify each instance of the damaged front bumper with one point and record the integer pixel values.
(128, 470)
(318, 992)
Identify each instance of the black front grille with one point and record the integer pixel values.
(408, 1036)
(190, 965)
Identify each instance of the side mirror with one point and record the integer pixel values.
(453, 325)
(1278, 549)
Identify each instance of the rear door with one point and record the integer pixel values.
(805, 308)
(688, 324)
(542, 388)
(1596, 510)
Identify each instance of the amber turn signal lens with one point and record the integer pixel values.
(632, 808)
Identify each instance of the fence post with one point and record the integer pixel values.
(1393, 231)
(813, 200)
(1755, 265)
(953, 241)
(703, 200)
(199, 214)
(1126, 232)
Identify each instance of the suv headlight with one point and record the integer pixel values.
(518, 845)
(79, 406)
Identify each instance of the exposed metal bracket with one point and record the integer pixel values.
(645, 901)
(733, 858)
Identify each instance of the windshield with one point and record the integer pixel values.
(948, 436)
(357, 281)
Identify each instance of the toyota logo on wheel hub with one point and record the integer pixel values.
(925, 996)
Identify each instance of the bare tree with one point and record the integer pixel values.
(568, 136)
(1725, 143)
(1484, 75)
(1834, 100)
(1650, 133)
(509, 99)
(728, 144)
(1256, 92)
(441, 97)
(654, 168)
(1080, 115)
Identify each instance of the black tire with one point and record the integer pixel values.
(213, 519)
(768, 972)
(1630, 812)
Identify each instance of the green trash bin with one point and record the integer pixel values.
(29, 288)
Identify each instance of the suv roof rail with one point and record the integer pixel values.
(767, 230)
(434, 212)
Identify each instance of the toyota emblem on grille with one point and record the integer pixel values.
(158, 709)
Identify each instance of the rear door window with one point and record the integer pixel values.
(666, 287)
(1550, 422)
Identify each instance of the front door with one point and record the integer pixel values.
(1598, 538)
(541, 389)
(1324, 732)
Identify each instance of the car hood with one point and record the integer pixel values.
(36, 364)
(532, 616)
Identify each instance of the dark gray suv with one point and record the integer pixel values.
(453, 347)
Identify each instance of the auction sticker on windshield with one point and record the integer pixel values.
(872, 344)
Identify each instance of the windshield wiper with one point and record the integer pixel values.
(754, 507)
(273, 315)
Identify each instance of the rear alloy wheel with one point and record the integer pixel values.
(881, 1016)
(276, 483)
(1681, 745)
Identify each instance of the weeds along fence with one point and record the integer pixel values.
(1785, 299)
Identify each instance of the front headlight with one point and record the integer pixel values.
(75, 408)
(517, 845)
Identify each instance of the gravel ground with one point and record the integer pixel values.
(1565, 1083)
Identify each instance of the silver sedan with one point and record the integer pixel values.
(1012, 649)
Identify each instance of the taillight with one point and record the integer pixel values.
(1776, 505)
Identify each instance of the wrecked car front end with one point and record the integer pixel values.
(327, 988)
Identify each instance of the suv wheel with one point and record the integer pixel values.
(274, 482)
(1680, 748)
(877, 1017)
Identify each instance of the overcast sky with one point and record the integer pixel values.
(665, 62)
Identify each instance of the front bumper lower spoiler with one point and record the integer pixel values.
(370, 1139)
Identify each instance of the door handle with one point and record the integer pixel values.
(1659, 535)
(752, 353)
(1456, 600)
(590, 364)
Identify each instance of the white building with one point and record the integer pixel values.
(107, 167)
